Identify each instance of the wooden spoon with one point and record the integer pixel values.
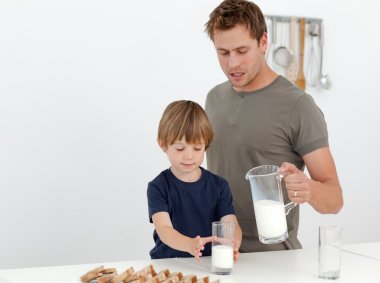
(300, 82)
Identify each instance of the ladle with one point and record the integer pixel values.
(324, 80)
(312, 71)
(282, 55)
(271, 42)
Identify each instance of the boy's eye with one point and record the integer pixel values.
(198, 148)
(179, 149)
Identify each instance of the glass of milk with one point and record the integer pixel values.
(222, 252)
(268, 203)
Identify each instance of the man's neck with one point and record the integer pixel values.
(265, 78)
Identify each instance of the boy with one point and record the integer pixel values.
(185, 199)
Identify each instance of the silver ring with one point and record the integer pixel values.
(295, 194)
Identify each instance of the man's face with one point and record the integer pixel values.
(240, 57)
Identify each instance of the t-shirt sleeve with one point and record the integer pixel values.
(225, 204)
(308, 126)
(157, 200)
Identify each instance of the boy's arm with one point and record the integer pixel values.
(176, 240)
(238, 233)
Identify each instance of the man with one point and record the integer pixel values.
(261, 118)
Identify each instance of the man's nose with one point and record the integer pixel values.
(233, 61)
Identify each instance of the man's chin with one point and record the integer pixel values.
(238, 86)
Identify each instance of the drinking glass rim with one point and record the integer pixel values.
(263, 175)
(222, 222)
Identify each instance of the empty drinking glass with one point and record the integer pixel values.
(330, 249)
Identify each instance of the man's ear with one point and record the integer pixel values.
(264, 41)
(164, 148)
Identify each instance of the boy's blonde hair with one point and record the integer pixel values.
(184, 118)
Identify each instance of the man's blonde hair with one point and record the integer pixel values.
(184, 118)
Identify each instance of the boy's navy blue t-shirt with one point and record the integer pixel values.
(192, 207)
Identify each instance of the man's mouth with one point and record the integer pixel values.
(236, 74)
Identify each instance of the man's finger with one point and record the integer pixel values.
(289, 168)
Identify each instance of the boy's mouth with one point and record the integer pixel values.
(187, 164)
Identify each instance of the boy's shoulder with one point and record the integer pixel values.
(166, 174)
(162, 177)
(212, 176)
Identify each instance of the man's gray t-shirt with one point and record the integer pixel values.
(268, 126)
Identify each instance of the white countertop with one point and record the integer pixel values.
(370, 250)
(280, 266)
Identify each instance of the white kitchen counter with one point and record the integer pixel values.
(280, 266)
(371, 250)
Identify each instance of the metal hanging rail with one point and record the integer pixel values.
(286, 45)
(287, 19)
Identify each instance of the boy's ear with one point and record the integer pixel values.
(164, 148)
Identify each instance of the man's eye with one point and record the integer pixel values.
(242, 51)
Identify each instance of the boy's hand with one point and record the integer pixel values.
(197, 245)
(236, 250)
(228, 243)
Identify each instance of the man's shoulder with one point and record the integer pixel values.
(289, 93)
(221, 93)
(221, 88)
(284, 86)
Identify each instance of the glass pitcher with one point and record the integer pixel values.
(268, 203)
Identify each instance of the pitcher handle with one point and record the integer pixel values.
(289, 206)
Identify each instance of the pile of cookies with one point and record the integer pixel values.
(144, 275)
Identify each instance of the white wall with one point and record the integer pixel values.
(82, 87)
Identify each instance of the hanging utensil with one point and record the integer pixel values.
(324, 80)
(282, 55)
(271, 42)
(312, 69)
(293, 69)
(300, 82)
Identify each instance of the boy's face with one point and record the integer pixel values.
(185, 159)
(240, 56)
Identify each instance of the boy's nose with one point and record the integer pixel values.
(188, 154)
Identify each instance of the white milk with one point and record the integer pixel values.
(222, 256)
(270, 218)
